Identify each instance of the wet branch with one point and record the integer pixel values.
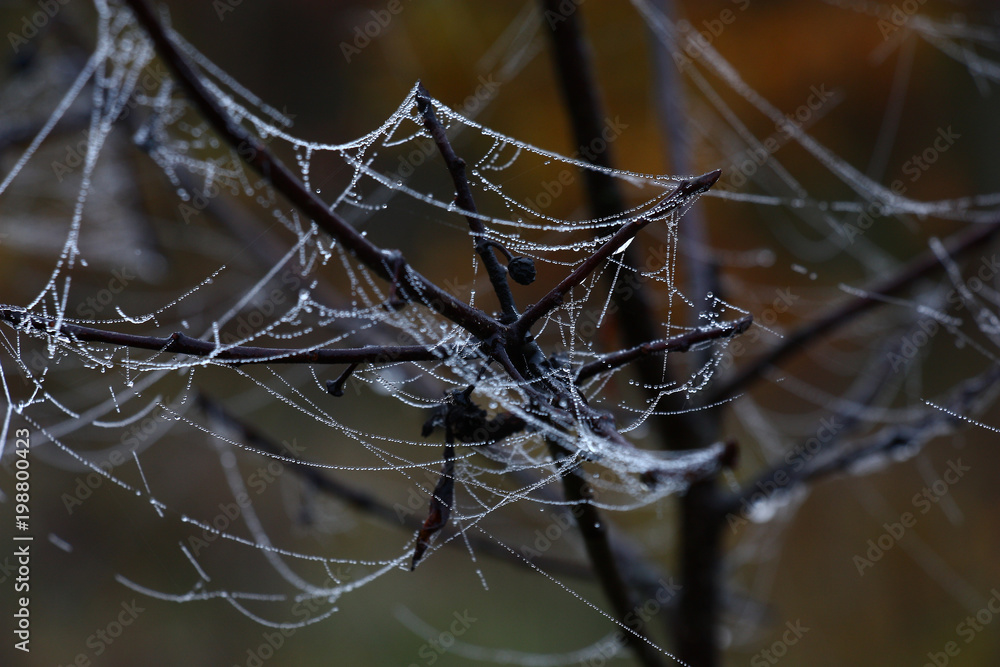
(680, 196)
(681, 343)
(957, 244)
(179, 343)
(463, 197)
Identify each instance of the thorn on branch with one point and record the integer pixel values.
(336, 387)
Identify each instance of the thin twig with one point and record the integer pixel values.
(466, 204)
(179, 343)
(957, 244)
(680, 196)
(681, 343)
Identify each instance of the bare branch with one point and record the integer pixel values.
(463, 197)
(958, 244)
(681, 343)
(680, 196)
(179, 343)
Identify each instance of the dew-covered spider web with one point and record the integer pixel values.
(171, 354)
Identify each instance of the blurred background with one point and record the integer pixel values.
(885, 95)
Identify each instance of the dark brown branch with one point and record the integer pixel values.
(957, 244)
(681, 343)
(466, 204)
(441, 503)
(680, 196)
(178, 343)
(602, 558)
(384, 263)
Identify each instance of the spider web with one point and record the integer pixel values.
(273, 279)
(313, 295)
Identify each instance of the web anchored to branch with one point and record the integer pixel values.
(499, 359)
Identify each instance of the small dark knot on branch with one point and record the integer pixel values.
(522, 270)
